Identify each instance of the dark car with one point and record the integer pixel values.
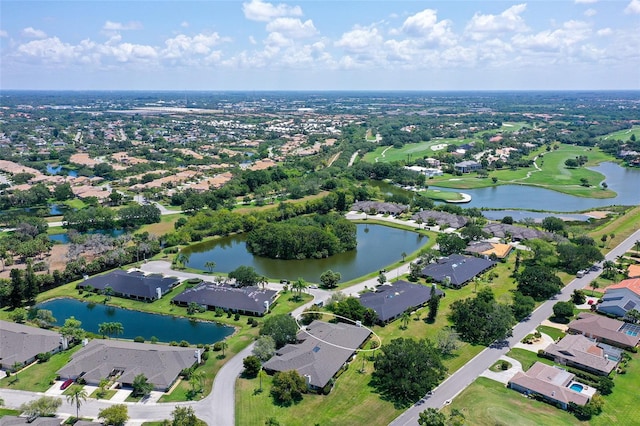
(66, 384)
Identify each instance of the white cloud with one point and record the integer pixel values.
(252, 40)
(276, 39)
(585, 1)
(425, 26)
(568, 35)
(633, 8)
(604, 32)
(3, 33)
(360, 40)
(50, 49)
(590, 12)
(33, 33)
(257, 10)
(292, 27)
(184, 24)
(182, 46)
(483, 26)
(118, 26)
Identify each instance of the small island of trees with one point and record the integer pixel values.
(316, 236)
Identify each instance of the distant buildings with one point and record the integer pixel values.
(443, 219)
(379, 208)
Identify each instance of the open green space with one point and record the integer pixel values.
(8, 412)
(491, 403)
(108, 394)
(410, 150)
(552, 332)
(527, 358)
(623, 135)
(40, 376)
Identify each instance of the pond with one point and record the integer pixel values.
(54, 170)
(135, 323)
(378, 247)
(63, 238)
(518, 215)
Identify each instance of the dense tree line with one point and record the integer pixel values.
(314, 236)
(104, 218)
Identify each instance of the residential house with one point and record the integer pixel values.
(443, 219)
(134, 285)
(38, 421)
(457, 270)
(244, 300)
(553, 384)
(467, 166)
(486, 248)
(122, 361)
(620, 298)
(606, 330)
(391, 300)
(516, 233)
(576, 350)
(379, 208)
(21, 343)
(322, 350)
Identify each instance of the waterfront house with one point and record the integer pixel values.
(121, 361)
(133, 285)
(443, 219)
(21, 343)
(379, 207)
(243, 300)
(467, 166)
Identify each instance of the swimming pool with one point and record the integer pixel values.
(576, 387)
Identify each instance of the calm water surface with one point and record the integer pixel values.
(135, 323)
(378, 247)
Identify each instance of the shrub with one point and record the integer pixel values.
(43, 356)
(139, 339)
(173, 343)
(217, 346)
(184, 343)
(236, 316)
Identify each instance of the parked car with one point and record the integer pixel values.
(66, 384)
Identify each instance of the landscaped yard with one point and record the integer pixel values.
(552, 332)
(40, 376)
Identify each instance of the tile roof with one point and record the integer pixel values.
(551, 382)
(632, 284)
(391, 300)
(583, 351)
(601, 327)
(633, 271)
(324, 349)
(19, 343)
(159, 363)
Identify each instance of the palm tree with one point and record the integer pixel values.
(609, 267)
(223, 345)
(117, 328)
(594, 284)
(210, 265)
(76, 397)
(403, 254)
(108, 292)
(405, 319)
(182, 259)
(299, 285)
(637, 245)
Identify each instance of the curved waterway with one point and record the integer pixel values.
(378, 247)
(136, 323)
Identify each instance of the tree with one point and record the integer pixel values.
(252, 366)
(522, 306)
(17, 294)
(403, 254)
(563, 310)
(72, 329)
(578, 297)
(185, 416)
(447, 341)
(110, 328)
(330, 279)
(299, 285)
(282, 328)
(352, 309)
(19, 315)
(434, 304)
(182, 259)
(141, 386)
(62, 192)
(594, 285)
(382, 278)
(245, 276)
(196, 381)
(432, 417)
(288, 387)
(42, 407)
(210, 265)
(481, 320)
(264, 348)
(450, 244)
(552, 224)
(406, 369)
(45, 319)
(116, 415)
(538, 282)
(405, 318)
(76, 397)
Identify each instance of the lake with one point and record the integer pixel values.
(135, 323)
(378, 247)
(63, 238)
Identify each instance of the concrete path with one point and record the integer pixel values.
(542, 343)
(504, 376)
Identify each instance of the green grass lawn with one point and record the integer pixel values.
(623, 135)
(409, 151)
(38, 377)
(8, 412)
(108, 394)
(527, 358)
(490, 403)
(620, 407)
(552, 332)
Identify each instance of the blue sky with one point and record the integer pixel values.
(320, 45)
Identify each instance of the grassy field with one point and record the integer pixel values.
(8, 412)
(163, 227)
(490, 403)
(409, 151)
(622, 227)
(552, 332)
(623, 135)
(38, 377)
(527, 358)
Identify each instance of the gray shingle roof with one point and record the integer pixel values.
(601, 327)
(249, 299)
(321, 359)
(391, 300)
(390, 208)
(458, 268)
(442, 218)
(501, 230)
(159, 363)
(19, 343)
(131, 283)
(39, 421)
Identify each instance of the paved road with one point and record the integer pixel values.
(462, 378)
